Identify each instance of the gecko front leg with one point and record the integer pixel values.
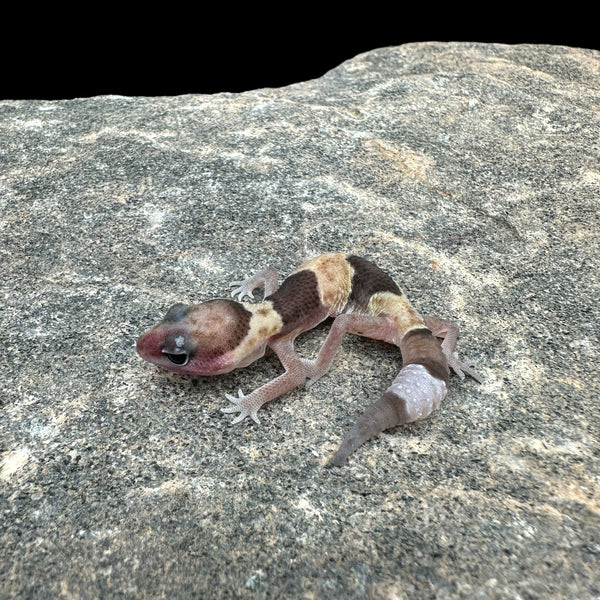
(267, 276)
(295, 374)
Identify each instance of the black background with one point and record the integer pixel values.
(119, 50)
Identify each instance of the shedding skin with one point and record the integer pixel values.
(221, 335)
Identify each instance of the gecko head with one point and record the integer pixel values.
(197, 339)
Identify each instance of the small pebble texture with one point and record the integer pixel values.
(469, 172)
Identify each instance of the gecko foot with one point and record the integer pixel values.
(461, 368)
(244, 289)
(244, 406)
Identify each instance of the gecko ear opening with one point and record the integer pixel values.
(177, 356)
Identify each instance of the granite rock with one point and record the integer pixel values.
(470, 172)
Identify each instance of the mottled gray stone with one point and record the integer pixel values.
(470, 172)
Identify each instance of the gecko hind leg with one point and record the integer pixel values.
(448, 331)
(378, 328)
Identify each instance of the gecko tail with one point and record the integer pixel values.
(378, 417)
(413, 395)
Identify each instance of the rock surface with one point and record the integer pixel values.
(470, 172)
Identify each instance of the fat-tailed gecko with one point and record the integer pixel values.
(221, 335)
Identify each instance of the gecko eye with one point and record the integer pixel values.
(177, 359)
(176, 350)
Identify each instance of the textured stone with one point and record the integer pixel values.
(470, 172)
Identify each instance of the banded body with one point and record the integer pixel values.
(221, 335)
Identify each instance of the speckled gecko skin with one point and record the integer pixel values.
(221, 335)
